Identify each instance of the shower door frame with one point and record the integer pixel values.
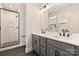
(18, 26)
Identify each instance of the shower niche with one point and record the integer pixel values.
(9, 28)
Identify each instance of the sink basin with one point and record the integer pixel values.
(62, 37)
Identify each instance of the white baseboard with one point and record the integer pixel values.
(29, 50)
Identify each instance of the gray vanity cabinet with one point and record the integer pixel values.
(50, 50)
(43, 44)
(59, 48)
(50, 47)
(53, 51)
(35, 43)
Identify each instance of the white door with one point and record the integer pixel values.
(9, 28)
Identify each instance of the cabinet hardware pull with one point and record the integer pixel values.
(35, 41)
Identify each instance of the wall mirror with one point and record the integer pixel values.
(52, 22)
(63, 16)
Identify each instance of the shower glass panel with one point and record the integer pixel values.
(9, 28)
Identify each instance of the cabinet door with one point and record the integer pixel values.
(37, 46)
(64, 53)
(43, 46)
(61, 45)
(59, 52)
(35, 43)
(50, 50)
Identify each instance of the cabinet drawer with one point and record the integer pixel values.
(43, 41)
(35, 36)
(61, 45)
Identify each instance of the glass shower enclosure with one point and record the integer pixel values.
(9, 30)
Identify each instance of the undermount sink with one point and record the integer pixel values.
(62, 37)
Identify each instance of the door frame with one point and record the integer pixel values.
(18, 26)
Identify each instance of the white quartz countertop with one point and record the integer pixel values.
(73, 39)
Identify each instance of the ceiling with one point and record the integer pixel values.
(61, 6)
(11, 6)
(17, 6)
(54, 7)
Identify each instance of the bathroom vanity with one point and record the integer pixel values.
(50, 45)
(60, 19)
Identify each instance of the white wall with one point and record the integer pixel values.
(22, 28)
(71, 15)
(23, 24)
(32, 23)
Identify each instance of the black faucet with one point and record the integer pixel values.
(65, 31)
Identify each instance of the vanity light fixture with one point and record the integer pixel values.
(45, 7)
